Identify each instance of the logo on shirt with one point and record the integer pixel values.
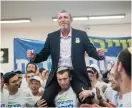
(2, 105)
(13, 104)
(62, 103)
(77, 40)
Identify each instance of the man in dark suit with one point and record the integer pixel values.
(67, 48)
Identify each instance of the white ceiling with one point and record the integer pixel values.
(41, 12)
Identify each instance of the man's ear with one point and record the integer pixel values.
(6, 84)
(71, 20)
(119, 67)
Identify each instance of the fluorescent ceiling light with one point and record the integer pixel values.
(107, 17)
(54, 19)
(96, 17)
(74, 18)
(16, 21)
(80, 18)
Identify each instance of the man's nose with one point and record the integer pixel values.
(18, 82)
(62, 81)
(62, 19)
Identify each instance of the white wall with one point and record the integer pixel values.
(39, 33)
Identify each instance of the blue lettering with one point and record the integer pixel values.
(2, 105)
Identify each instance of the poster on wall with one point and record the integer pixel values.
(4, 55)
(111, 46)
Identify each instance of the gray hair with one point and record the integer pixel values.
(65, 11)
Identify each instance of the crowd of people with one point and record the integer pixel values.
(70, 83)
(18, 90)
(23, 90)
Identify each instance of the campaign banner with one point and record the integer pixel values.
(111, 46)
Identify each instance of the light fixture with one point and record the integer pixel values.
(95, 17)
(107, 16)
(22, 20)
(80, 18)
(74, 18)
(54, 19)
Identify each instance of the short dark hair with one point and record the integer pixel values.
(8, 76)
(33, 64)
(63, 11)
(65, 70)
(17, 71)
(125, 58)
(41, 70)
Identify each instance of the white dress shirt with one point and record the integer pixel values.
(65, 51)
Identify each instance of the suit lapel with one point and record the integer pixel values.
(57, 39)
(73, 43)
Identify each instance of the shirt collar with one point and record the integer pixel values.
(69, 35)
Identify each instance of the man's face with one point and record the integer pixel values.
(63, 80)
(91, 76)
(19, 76)
(31, 67)
(34, 85)
(117, 75)
(115, 84)
(28, 76)
(13, 84)
(43, 75)
(64, 20)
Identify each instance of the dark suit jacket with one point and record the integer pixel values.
(52, 47)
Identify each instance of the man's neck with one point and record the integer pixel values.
(63, 90)
(65, 32)
(93, 83)
(12, 92)
(127, 86)
(36, 93)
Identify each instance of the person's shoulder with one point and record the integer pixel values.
(5, 91)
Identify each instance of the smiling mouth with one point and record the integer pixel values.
(63, 23)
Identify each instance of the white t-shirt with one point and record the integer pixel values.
(20, 99)
(66, 99)
(24, 84)
(126, 100)
(36, 98)
(115, 98)
(4, 97)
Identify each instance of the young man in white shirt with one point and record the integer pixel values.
(123, 71)
(35, 85)
(93, 73)
(17, 97)
(26, 79)
(115, 84)
(66, 97)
